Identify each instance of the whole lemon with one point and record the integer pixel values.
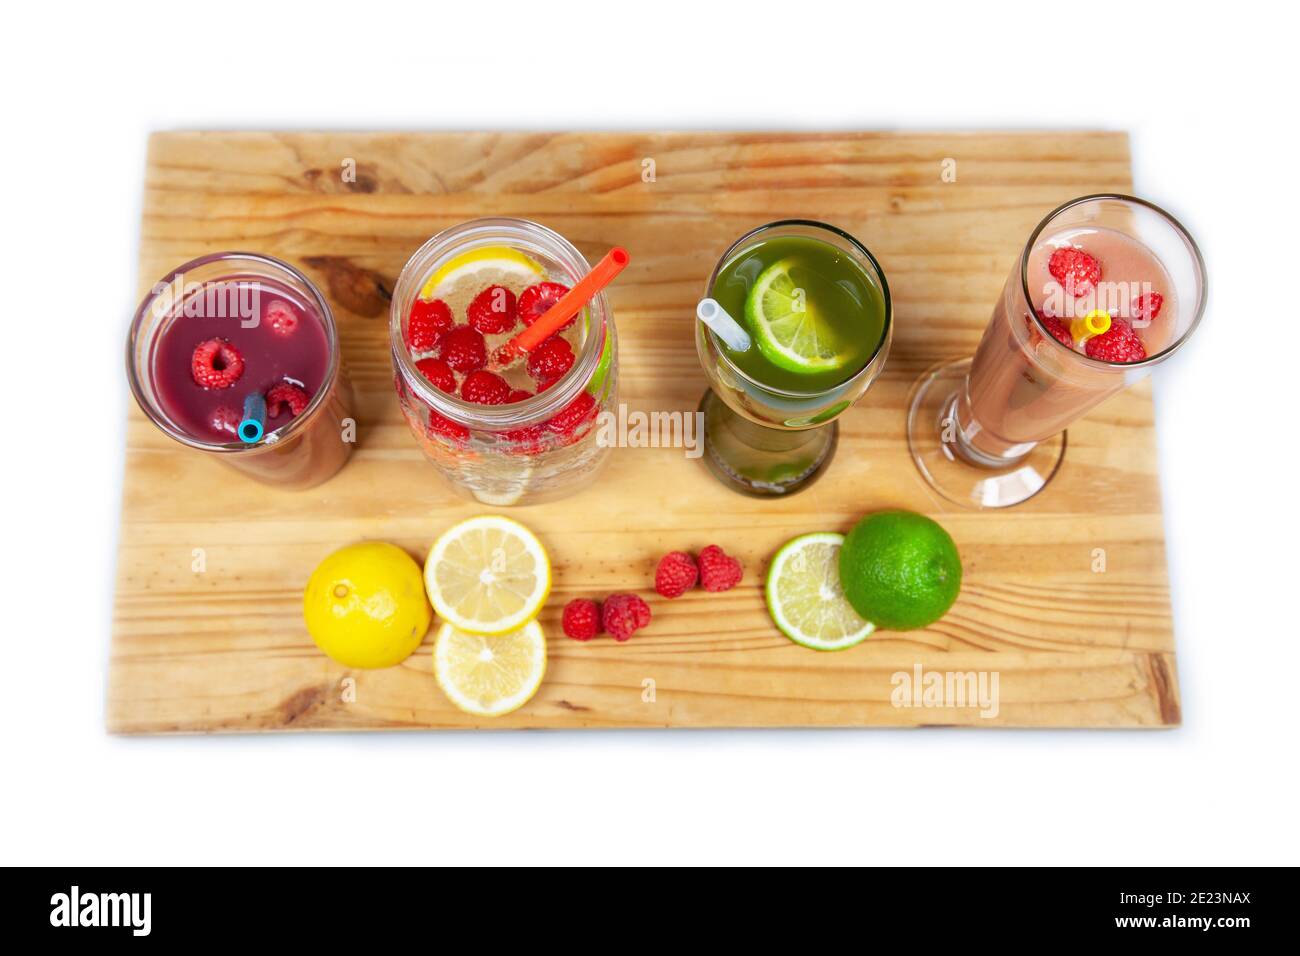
(365, 605)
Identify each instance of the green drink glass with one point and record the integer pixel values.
(814, 307)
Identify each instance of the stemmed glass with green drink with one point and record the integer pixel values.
(794, 327)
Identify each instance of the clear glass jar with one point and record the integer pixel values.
(545, 447)
(304, 451)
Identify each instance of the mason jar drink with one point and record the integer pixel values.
(503, 433)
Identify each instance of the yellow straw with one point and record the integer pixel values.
(1096, 322)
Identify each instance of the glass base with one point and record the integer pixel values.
(759, 461)
(935, 444)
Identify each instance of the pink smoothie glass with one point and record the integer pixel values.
(989, 431)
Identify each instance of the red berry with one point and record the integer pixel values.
(537, 299)
(493, 310)
(581, 619)
(1060, 331)
(1146, 307)
(463, 349)
(526, 441)
(676, 574)
(1118, 344)
(440, 426)
(280, 318)
(216, 364)
(225, 420)
(572, 420)
(1074, 269)
(485, 388)
(430, 320)
(550, 360)
(282, 395)
(623, 614)
(718, 570)
(438, 373)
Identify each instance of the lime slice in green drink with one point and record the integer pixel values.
(804, 595)
(784, 318)
(900, 569)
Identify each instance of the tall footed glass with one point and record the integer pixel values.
(1106, 288)
(812, 350)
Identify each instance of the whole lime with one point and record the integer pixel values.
(900, 570)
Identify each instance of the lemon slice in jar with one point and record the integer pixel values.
(490, 265)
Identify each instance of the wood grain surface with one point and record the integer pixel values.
(226, 649)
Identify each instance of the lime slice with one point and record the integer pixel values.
(804, 595)
(487, 575)
(785, 322)
(490, 676)
(494, 263)
(901, 569)
(597, 384)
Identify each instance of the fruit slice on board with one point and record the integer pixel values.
(804, 595)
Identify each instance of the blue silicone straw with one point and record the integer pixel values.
(253, 426)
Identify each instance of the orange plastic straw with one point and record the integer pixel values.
(570, 304)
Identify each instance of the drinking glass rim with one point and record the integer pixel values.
(543, 404)
(1178, 227)
(285, 432)
(884, 288)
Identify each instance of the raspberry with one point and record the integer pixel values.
(463, 349)
(572, 420)
(1146, 307)
(438, 373)
(1118, 344)
(550, 360)
(285, 394)
(1074, 269)
(676, 574)
(440, 426)
(718, 570)
(527, 441)
(225, 420)
(581, 619)
(493, 310)
(623, 614)
(280, 318)
(216, 364)
(485, 388)
(1060, 331)
(537, 299)
(428, 322)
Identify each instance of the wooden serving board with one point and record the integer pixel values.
(225, 649)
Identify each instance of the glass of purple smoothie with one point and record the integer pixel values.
(236, 338)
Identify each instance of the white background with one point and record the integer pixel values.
(1209, 96)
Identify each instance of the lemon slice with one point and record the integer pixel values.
(804, 595)
(487, 575)
(490, 676)
(498, 262)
